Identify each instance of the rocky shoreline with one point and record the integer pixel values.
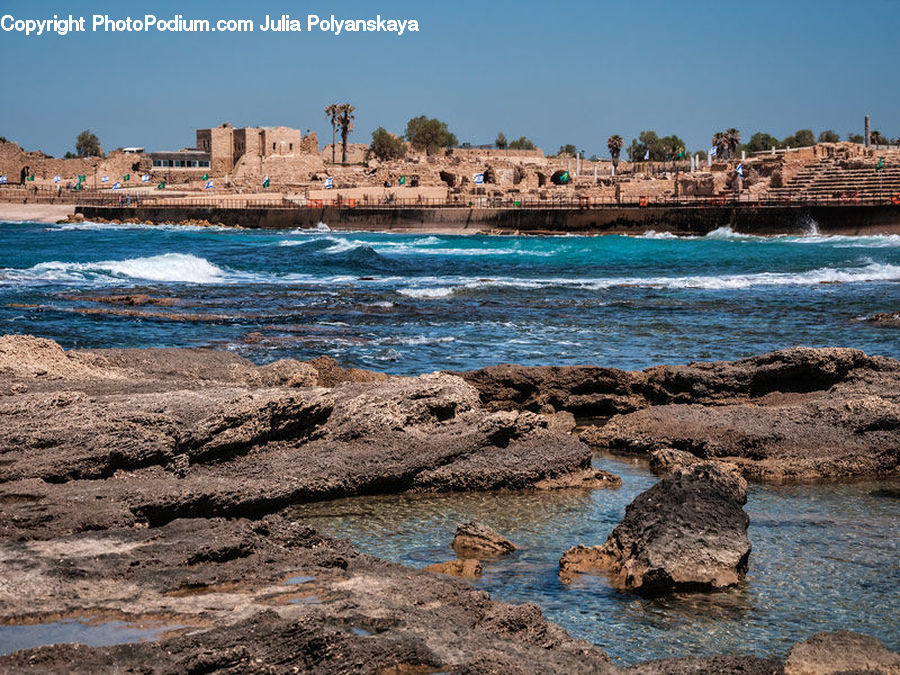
(150, 486)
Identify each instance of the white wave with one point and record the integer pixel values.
(175, 267)
(727, 233)
(653, 234)
(427, 241)
(320, 227)
(849, 241)
(426, 292)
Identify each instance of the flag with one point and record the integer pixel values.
(209, 184)
(266, 182)
(880, 163)
(117, 185)
(647, 155)
(127, 176)
(78, 186)
(681, 154)
(2, 179)
(329, 183)
(30, 178)
(402, 180)
(740, 170)
(81, 178)
(712, 151)
(204, 176)
(105, 179)
(56, 178)
(161, 186)
(478, 179)
(145, 178)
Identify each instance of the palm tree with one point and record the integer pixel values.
(720, 143)
(615, 143)
(345, 122)
(733, 138)
(331, 112)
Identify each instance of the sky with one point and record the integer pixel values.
(557, 73)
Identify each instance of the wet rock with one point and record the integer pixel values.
(468, 568)
(687, 532)
(475, 540)
(590, 479)
(888, 319)
(841, 652)
(721, 665)
(331, 374)
(664, 460)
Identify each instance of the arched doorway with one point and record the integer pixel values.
(25, 171)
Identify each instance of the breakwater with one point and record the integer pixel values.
(690, 220)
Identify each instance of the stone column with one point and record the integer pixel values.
(868, 140)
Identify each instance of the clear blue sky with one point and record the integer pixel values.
(558, 73)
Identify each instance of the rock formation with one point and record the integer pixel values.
(474, 540)
(793, 414)
(687, 532)
(841, 652)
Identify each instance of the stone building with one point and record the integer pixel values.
(226, 145)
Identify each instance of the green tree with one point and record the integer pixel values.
(804, 138)
(615, 143)
(761, 141)
(70, 155)
(720, 143)
(386, 146)
(521, 143)
(856, 138)
(567, 149)
(829, 136)
(88, 145)
(501, 141)
(877, 139)
(429, 135)
(3, 139)
(331, 112)
(345, 122)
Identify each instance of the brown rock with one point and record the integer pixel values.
(468, 568)
(841, 652)
(591, 479)
(687, 532)
(475, 540)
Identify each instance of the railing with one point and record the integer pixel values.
(778, 197)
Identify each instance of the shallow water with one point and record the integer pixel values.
(407, 303)
(94, 634)
(824, 557)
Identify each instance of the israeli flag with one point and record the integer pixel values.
(145, 178)
(740, 170)
(105, 179)
(2, 179)
(117, 185)
(647, 155)
(478, 179)
(712, 151)
(209, 184)
(329, 183)
(56, 178)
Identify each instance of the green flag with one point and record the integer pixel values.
(204, 176)
(681, 154)
(78, 186)
(161, 186)
(266, 182)
(565, 178)
(402, 180)
(81, 178)
(127, 176)
(30, 178)
(880, 163)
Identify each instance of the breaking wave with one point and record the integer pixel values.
(168, 267)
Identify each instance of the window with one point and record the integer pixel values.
(291, 147)
(273, 147)
(202, 163)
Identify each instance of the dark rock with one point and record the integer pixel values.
(468, 568)
(720, 665)
(841, 652)
(687, 532)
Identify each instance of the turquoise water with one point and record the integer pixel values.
(406, 303)
(824, 557)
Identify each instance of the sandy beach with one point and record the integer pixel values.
(35, 213)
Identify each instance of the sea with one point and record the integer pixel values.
(414, 303)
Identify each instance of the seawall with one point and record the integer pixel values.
(854, 219)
